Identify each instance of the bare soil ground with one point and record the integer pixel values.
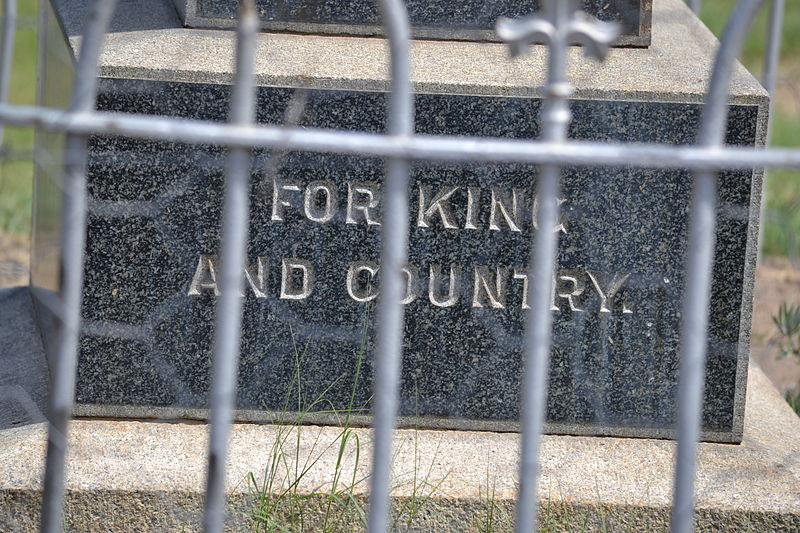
(777, 281)
(14, 260)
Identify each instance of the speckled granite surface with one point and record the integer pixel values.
(149, 297)
(615, 357)
(437, 19)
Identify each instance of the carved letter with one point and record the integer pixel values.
(205, 276)
(500, 206)
(439, 203)
(367, 203)
(560, 226)
(483, 286)
(572, 294)
(473, 207)
(435, 282)
(258, 284)
(412, 283)
(313, 212)
(357, 293)
(279, 201)
(289, 289)
(523, 275)
(611, 290)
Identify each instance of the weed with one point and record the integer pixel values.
(793, 399)
(493, 517)
(279, 504)
(788, 322)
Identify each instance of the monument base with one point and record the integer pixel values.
(153, 234)
(149, 476)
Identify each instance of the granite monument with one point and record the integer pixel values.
(315, 229)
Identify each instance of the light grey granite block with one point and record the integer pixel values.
(149, 476)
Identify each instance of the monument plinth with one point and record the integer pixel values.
(313, 252)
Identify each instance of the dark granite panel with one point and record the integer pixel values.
(614, 361)
(432, 18)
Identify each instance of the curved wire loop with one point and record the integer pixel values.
(697, 299)
(73, 240)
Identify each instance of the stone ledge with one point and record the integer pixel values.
(147, 41)
(149, 476)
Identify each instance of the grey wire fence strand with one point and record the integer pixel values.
(73, 240)
(772, 54)
(236, 217)
(697, 297)
(7, 52)
(557, 28)
(394, 231)
(418, 147)
(399, 146)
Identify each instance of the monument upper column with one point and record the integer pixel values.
(464, 20)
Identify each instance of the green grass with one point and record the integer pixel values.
(793, 399)
(781, 225)
(715, 14)
(277, 501)
(16, 166)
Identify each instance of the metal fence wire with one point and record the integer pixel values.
(558, 26)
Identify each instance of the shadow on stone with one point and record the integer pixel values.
(23, 367)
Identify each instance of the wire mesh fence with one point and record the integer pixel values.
(558, 27)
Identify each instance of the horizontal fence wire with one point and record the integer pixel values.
(416, 147)
(399, 146)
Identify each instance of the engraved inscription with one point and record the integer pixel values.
(431, 204)
(257, 281)
(281, 198)
(435, 283)
(489, 290)
(491, 285)
(447, 207)
(607, 289)
(362, 202)
(570, 286)
(316, 190)
(509, 211)
(451, 207)
(205, 276)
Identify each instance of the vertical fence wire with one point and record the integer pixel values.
(394, 232)
(73, 238)
(235, 220)
(555, 118)
(699, 268)
(772, 55)
(7, 53)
